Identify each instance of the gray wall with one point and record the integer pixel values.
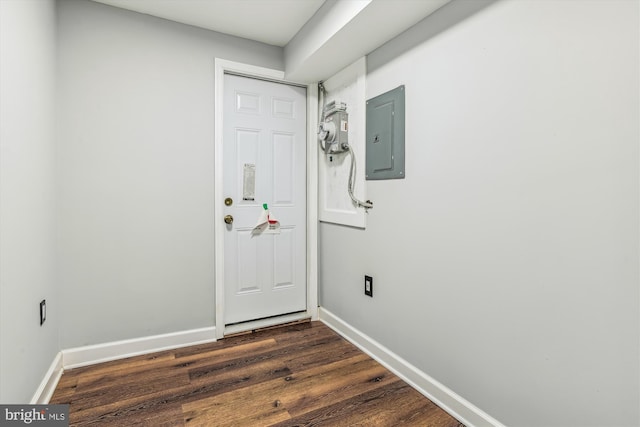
(506, 264)
(136, 171)
(27, 203)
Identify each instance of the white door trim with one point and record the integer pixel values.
(222, 66)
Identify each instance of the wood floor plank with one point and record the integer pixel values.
(229, 353)
(312, 390)
(171, 362)
(295, 332)
(228, 375)
(306, 386)
(279, 385)
(65, 389)
(252, 412)
(132, 387)
(394, 404)
(298, 375)
(232, 374)
(291, 355)
(155, 385)
(167, 415)
(145, 361)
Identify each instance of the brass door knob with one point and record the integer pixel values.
(228, 219)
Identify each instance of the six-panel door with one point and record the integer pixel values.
(264, 163)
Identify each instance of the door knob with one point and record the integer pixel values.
(228, 219)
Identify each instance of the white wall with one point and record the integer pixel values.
(506, 264)
(136, 171)
(27, 203)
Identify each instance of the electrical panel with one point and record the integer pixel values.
(385, 136)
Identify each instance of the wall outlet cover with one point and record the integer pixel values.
(368, 286)
(43, 311)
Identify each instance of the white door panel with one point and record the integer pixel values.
(264, 128)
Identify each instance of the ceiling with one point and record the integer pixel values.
(274, 22)
(319, 37)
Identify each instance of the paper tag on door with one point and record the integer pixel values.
(273, 227)
(266, 224)
(249, 182)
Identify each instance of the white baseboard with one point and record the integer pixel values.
(49, 382)
(92, 354)
(456, 406)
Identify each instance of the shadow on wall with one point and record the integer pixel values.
(443, 19)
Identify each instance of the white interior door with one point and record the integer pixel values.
(264, 155)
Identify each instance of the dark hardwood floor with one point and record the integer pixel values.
(297, 375)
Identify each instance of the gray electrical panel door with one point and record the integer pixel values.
(385, 136)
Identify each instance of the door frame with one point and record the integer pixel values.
(223, 66)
